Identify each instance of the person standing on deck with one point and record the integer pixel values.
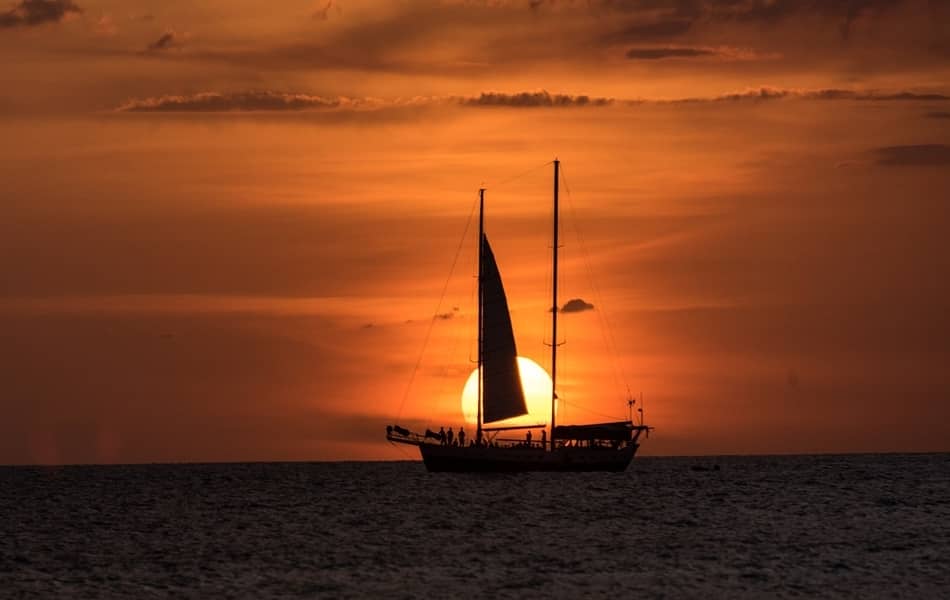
(450, 436)
(544, 438)
(462, 436)
(527, 438)
(442, 435)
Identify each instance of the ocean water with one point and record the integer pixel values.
(770, 526)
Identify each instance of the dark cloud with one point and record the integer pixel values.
(226, 102)
(272, 101)
(647, 51)
(533, 99)
(914, 155)
(659, 53)
(28, 13)
(168, 40)
(576, 305)
(771, 93)
(763, 93)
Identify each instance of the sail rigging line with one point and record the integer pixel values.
(401, 450)
(443, 391)
(473, 301)
(587, 410)
(518, 176)
(606, 331)
(438, 309)
(619, 374)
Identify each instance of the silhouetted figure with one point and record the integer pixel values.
(450, 436)
(462, 436)
(527, 438)
(478, 439)
(544, 438)
(442, 435)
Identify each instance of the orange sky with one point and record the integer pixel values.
(225, 226)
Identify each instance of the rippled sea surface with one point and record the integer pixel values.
(857, 525)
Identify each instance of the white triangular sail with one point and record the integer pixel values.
(502, 395)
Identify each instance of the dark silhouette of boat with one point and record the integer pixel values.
(592, 447)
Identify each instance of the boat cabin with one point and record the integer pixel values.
(599, 435)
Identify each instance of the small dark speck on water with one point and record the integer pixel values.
(852, 525)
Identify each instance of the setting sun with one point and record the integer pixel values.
(536, 384)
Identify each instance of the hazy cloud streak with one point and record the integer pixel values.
(914, 155)
(276, 101)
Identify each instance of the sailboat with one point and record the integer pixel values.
(590, 447)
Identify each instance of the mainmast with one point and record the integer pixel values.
(554, 309)
(481, 236)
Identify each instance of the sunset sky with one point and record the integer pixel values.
(225, 226)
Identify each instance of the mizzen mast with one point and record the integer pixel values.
(554, 307)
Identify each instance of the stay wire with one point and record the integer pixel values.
(438, 308)
(605, 329)
(587, 410)
(472, 345)
(442, 393)
(518, 176)
(606, 332)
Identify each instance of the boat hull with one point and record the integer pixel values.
(455, 459)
